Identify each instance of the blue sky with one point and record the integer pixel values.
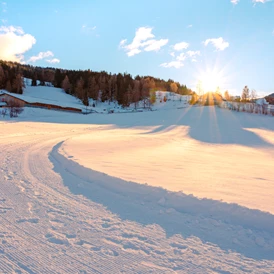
(226, 43)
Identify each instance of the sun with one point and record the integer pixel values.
(210, 81)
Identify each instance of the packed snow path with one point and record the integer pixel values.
(59, 217)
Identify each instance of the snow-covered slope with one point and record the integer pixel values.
(173, 101)
(63, 209)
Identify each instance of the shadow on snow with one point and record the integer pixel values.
(229, 226)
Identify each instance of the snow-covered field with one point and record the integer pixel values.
(187, 190)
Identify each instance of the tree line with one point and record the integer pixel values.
(84, 84)
(11, 78)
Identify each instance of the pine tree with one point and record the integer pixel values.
(17, 84)
(136, 93)
(2, 78)
(80, 89)
(8, 86)
(66, 84)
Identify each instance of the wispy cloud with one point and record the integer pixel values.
(53, 61)
(193, 55)
(181, 46)
(260, 1)
(143, 41)
(172, 64)
(218, 43)
(179, 59)
(4, 7)
(14, 43)
(189, 26)
(44, 55)
(87, 29)
(40, 56)
(234, 2)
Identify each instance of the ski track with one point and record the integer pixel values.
(45, 228)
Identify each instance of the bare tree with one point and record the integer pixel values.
(4, 112)
(14, 108)
(144, 88)
(245, 94)
(253, 96)
(227, 96)
(173, 88)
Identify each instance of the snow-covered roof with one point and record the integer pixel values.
(47, 95)
(261, 101)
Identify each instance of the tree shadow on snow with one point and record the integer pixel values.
(218, 126)
(229, 226)
(206, 124)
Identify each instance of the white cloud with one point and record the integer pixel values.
(14, 43)
(178, 62)
(181, 57)
(155, 45)
(174, 64)
(234, 2)
(192, 53)
(53, 61)
(181, 46)
(133, 52)
(142, 41)
(8, 29)
(41, 55)
(218, 43)
(122, 43)
(260, 1)
(189, 26)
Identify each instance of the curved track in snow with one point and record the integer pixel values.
(55, 220)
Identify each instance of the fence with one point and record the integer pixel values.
(265, 109)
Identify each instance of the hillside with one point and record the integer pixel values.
(51, 96)
(123, 88)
